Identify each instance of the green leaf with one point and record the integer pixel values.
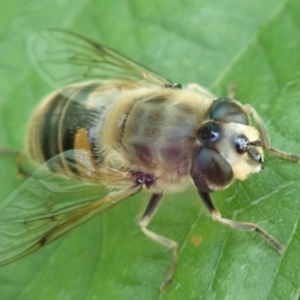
(251, 44)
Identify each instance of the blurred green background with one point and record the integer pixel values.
(252, 44)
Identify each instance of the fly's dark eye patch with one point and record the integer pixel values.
(209, 132)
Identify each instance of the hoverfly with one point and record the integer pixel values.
(116, 124)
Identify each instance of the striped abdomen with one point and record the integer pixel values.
(65, 121)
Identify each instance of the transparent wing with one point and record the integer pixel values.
(64, 57)
(48, 205)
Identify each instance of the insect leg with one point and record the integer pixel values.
(9, 151)
(143, 223)
(216, 215)
(265, 138)
(20, 160)
(231, 91)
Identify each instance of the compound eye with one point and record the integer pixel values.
(210, 171)
(227, 110)
(209, 133)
